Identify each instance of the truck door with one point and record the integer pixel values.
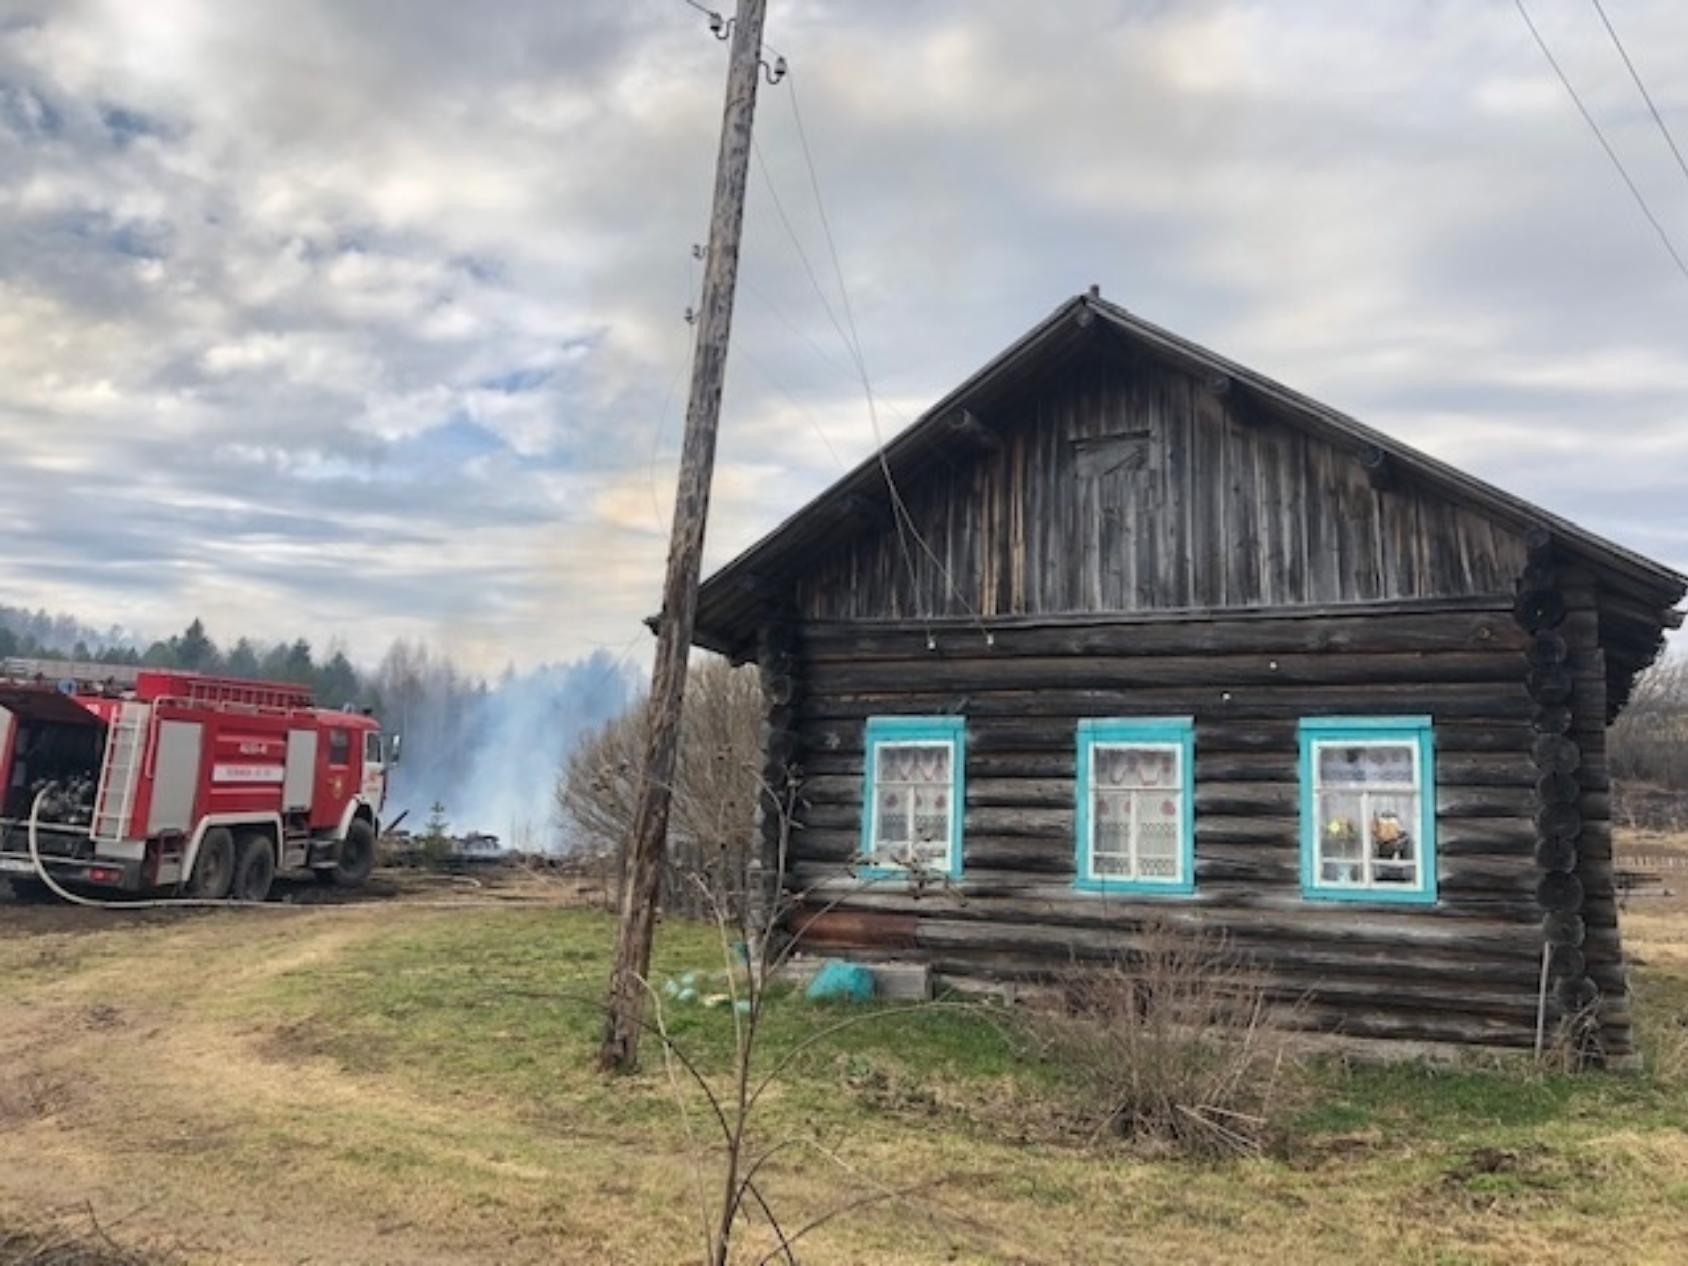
(337, 780)
(374, 770)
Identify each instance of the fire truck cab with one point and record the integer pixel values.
(141, 780)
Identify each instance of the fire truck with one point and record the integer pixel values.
(159, 781)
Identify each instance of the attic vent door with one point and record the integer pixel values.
(1122, 453)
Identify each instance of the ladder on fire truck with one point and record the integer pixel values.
(116, 795)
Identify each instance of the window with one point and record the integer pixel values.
(1368, 809)
(1136, 829)
(371, 747)
(339, 747)
(911, 817)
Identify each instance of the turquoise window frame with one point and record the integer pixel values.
(1179, 732)
(882, 730)
(1418, 730)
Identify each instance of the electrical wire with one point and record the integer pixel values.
(900, 511)
(1646, 96)
(1606, 145)
(902, 519)
(668, 396)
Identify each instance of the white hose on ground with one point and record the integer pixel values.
(180, 903)
(96, 903)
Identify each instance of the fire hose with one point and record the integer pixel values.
(179, 903)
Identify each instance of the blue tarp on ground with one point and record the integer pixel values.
(838, 981)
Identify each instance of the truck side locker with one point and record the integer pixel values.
(299, 784)
(175, 780)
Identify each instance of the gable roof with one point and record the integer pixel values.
(731, 601)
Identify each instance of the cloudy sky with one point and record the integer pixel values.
(363, 318)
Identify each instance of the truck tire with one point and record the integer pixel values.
(213, 868)
(357, 855)
(254, 872)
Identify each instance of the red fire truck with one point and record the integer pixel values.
(201, 786)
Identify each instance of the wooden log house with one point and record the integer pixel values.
(1122, 632)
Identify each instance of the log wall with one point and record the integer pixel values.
(1464, 970)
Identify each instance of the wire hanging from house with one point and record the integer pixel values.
(902, 519)
(853, 342)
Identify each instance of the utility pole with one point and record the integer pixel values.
(625, 1011)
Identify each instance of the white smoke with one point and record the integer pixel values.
(491, 754)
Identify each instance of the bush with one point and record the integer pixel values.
(1175, 1046)
(716, 789)
(1647, 750)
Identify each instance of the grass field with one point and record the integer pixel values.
(394, 1082)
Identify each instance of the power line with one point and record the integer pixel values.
(679, 369)
(901, 518)
(1645, 95)
(899, 508)
(1606, 145)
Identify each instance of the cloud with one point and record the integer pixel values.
(374, 326)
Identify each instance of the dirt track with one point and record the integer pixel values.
(114, 1065)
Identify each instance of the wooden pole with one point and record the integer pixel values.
(625, 1011)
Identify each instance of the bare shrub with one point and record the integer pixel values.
(1647, 750)
(713, 814)
(1175, 1046)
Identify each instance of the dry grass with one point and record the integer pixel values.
(66, 1244)
(410, 1094)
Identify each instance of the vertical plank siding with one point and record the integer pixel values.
(1462, 970)
(1133, 487)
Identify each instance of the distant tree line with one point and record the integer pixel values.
(37, 635)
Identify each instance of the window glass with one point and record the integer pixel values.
(372, 747)
(339, 747)
(1370, 807)
(911, 814)
(1134, 810)
(914, 802)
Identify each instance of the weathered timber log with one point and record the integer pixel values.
(995, 895)
(1546, 649)
(852, 927)
(996, 671)
(1559, 893)
(1287, 631)
(1550, 718)
(1556, 855)
(1556, 754)
(1493, 931)
(1567, 960)
(1574, 993)
(1549, 685)
(1497, 702)
(1557, 789)
(1558, 822)
(1508, 964)
(1009, 733)
(1560, 928)
(1539, 609)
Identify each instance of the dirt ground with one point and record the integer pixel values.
(162, 1101)
(98, 1096)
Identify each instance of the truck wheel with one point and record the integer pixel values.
(357, 855)
(213, 868)
(254, 872)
